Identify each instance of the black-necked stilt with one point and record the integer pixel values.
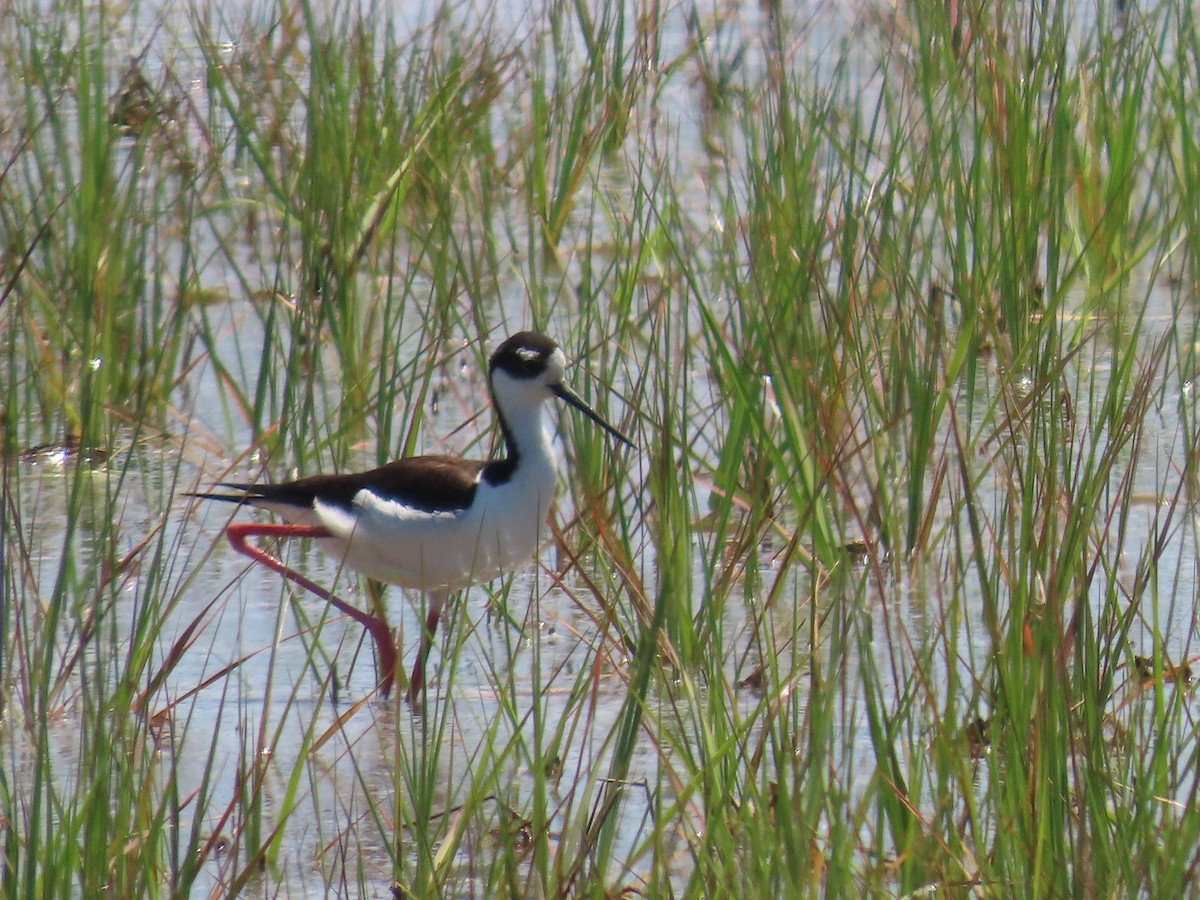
(433, 523)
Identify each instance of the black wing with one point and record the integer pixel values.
(430, 483)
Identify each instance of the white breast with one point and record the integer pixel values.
(397, 544)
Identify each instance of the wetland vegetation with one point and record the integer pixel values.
(897, 595)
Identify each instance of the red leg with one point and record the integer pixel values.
(385, 646)
(417, 681)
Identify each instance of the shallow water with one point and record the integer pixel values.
(535, 632)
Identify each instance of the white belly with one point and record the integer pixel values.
(500, 532)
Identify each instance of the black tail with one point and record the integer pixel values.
(246, 493)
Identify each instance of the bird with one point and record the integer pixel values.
(436, 523)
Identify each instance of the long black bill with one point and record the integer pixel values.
(565, 393)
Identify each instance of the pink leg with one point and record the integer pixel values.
(239, 537)
(417, 681)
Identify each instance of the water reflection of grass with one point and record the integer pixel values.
(901, 329)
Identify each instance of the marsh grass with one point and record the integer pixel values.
(893, 593)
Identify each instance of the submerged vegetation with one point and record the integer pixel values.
(898, 301)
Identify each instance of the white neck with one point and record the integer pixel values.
(521, 406)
